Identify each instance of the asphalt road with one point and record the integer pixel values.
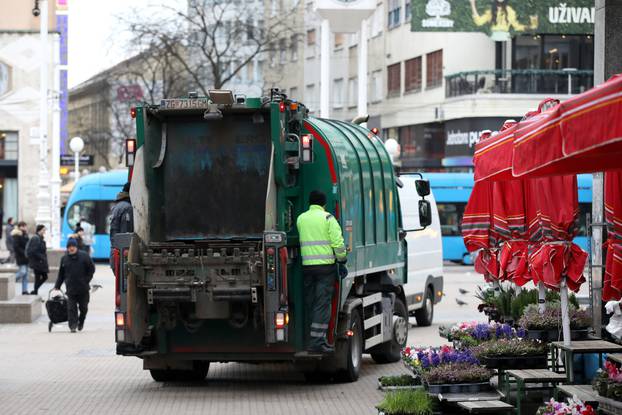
(60, 372)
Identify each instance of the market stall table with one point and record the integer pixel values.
(529, 376)
(581, 347)
(585, 393)
(486, 407)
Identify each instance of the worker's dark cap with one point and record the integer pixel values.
(317, 197)
(72, 242)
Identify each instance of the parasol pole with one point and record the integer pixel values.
(563, 293)
(541, 297)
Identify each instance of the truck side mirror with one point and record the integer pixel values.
(423, 187)
(425, 213)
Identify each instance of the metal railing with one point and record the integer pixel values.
(519, 81)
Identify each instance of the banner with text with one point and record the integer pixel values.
(504, 19)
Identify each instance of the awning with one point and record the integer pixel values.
(581, 135)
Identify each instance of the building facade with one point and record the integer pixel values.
(435, 91)
(19, 102)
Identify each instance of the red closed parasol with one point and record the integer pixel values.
(612, 285)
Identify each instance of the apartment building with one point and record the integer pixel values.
(435, 91)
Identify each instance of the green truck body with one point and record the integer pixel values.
(213, 270)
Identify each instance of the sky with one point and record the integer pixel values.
(94, 40)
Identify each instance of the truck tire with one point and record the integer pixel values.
(391, 351)
(425, 314)
(197, 374)
(354, 349)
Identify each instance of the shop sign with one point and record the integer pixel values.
(69, 160)
(461, 135)
(501, 19)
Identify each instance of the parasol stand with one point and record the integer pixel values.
(563, 294)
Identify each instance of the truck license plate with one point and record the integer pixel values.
(184, 104)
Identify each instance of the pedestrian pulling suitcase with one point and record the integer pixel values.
(57, 308)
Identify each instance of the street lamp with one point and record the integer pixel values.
(77, 145)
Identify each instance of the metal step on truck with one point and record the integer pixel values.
(212, 271)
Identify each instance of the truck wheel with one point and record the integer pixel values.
(390, 351)
(162, 375)
(425, 314)
(353, 350)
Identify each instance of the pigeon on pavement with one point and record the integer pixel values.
(460, 302)
(463, 291)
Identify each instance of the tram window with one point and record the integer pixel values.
(450, 215)
(96, 212)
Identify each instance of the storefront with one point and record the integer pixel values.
(8, 175)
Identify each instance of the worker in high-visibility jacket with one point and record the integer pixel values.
(323, 251)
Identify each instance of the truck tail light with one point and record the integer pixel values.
(306, 144)
(119, 319)
(130, 152)
(281, 320)
(133, 112)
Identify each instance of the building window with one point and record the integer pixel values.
(282, 51)
(293, 93)
(311, 37)
(408, 11)
(272, 49)
(412, 75)
(394, 13)
(8, 145)
(394, 78)
(376, 86)
(311, 100)
(353, 92)
(338, 93)
(434, 69)
(339, 39)
(294, 48)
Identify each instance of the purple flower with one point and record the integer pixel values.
(436, 359)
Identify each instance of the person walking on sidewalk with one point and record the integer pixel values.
(36, 251)
(321, 244)
(20, 240)
(9, 240)
(76, 271)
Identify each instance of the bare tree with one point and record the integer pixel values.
(211, 42)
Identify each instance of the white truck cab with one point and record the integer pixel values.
(424, 288)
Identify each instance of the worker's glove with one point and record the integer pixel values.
(343, 271)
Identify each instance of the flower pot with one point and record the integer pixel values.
(387, 388)
(457, 388)
(551, 335)
(515, 362)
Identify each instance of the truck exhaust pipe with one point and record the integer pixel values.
(360, 119)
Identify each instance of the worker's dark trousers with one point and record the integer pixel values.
(319, 286)
(73, 302)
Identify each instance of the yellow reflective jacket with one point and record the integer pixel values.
(321, 240)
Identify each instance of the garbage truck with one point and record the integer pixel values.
(212, 271)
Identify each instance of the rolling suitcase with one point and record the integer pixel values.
(57, 308)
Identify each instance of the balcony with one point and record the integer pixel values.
(519, 81)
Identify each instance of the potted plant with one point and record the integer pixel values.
(387, 383)
(413, 402)
(420, 360)
(457, 378)
(512, 354)
(546, 326)
(571, 407)
(469, 334)
(600, 383)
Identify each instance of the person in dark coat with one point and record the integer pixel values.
(9, 240)
(79, 237)
(122, 215)
(38, 258)
(20, 240)
(76, 271)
